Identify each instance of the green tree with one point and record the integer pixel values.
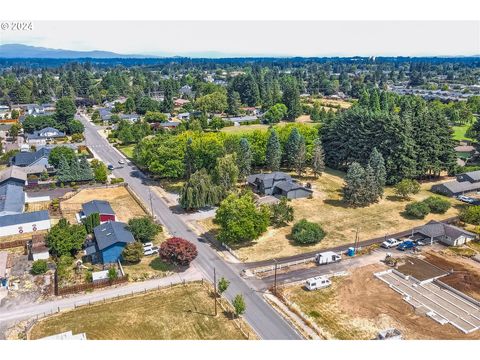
(222, 285)
(130, 106)
(239, 305)
(212, 103)
(199, 191)
(86, 173)
(437, 205)
(291, 98)
(96, 116)
(144, 229)
(293, 147)
(14, 114)
(100, 171)
(354, 191)
(470, 215)
(189, 159)
(377, 164)
(239, 219)
(274, 151)
(281, 213)
(300, 159)
(112, 274)
(318, 158)
(155, 116)
(64, 111)
(15, 130)
(305, 232)
(65, 239)
(91, 222)
(244, 158)
(407, 187)
(275, 114)
(233, 101)
(226, 172)
(59, 152)
(63, 170)
(133, 252)
(75, 127)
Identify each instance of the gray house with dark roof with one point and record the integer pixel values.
(110, 240)
(445, 233)
(464, 183)
(278, 184)
(39, 157)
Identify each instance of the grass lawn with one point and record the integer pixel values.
(127, 150)
(181, 312)
(248, 128)
(459, 132)
(122, 203)
(338, 220)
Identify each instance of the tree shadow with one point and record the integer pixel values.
(337, 203)
(396, 198)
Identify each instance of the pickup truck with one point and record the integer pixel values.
(407, 244)
(390, 243)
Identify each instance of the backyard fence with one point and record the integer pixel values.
(90, 286)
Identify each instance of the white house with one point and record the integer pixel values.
(24, 223)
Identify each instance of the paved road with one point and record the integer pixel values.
(262, 318)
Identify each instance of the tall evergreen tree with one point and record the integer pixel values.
(244, 158)
(377, 164)
(354, 192)
(299, 162)
(274, 151)
(86, 173)
(291, 98)
(63, 172)
(318, 158)
(292, 147)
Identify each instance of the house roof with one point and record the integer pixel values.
(40, 134)
(465, 148)
(28, 158)
(243, 118)
(290, 185)
(12, 198)
(460, 186)
(269, 178)
(110, 233)
(24, 218)
(473, 175)
(13, 172)
(435, 229)
(97, 206)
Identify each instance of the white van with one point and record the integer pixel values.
(327, 257)
(318, 282)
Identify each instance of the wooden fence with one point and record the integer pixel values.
(90, 286)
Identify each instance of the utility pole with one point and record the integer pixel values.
(215, 289)
(356, 241)
(275, 278)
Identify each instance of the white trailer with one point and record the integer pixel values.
(327, 257)
(318, 282)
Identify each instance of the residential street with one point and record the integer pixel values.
(263, 319)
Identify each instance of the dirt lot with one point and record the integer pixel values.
(466, 275)
(37, 206)
(420, 269)
(339, 221)
(174, 313)
(359, 305)
(122, 203)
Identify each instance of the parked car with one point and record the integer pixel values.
(466, 199)
(150, 251)
(327, 258)
(147, 245)
(390, 243)
(121, 161)
(423, 242)
(318, 282)
(110, 167)
(407, 244)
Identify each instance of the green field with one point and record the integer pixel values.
(253, 127)
(181, 312)
(459, 132)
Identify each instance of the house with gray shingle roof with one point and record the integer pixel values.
(40, 137)
(278, 184)
(24, 158)
(24, 223)
(464, 183)
(445, 233)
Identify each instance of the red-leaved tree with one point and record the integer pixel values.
(178, 251)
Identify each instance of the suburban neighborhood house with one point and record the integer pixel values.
(40, 137)
(39, 157)
(24, 223)
(110, 239)
(446, 234)
(101, 207)
(278, 184)
(464, 183)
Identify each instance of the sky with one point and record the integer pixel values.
(257, 38)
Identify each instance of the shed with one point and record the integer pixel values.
(102, 207)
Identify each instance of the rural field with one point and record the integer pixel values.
(358, 306)
(122, 202)
(338, 220)
(459, 132)
(248, 128)
(181, 312)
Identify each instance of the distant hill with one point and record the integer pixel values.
(26, 51)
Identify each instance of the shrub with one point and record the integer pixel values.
(39, 267)
(112, 274)
(407, 187)
(178, 251)
(305, 232)
(117, 180)
(144, 229)
(239, 305)
(133, 252)
(471, 215)
(437, 205)
(417, 210)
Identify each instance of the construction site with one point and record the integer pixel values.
(419, 283)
